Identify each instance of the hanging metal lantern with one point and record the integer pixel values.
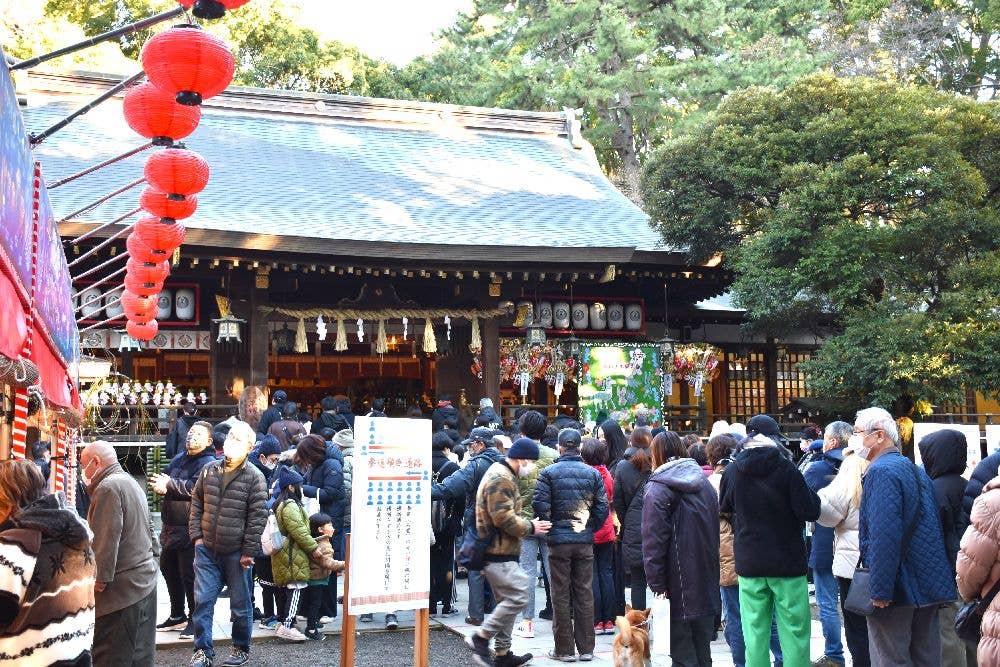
(177, 171)
(154, 113)
(535, 335)
(211, 9)
(163, 205)
(189, 63)
(229, 329)
(160, 233)
(572, 346)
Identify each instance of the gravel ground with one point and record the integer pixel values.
(372, 649)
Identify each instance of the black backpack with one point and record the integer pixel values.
(440, 516)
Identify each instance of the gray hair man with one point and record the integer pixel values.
(836, 435)
(125, 554)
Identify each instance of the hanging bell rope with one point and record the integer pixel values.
(476, 346)
(301, 343)
(381, 342)
(430, 343)
(340, 345)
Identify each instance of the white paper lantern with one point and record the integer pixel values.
(616, 316)
(164, 305)
(184, 304)
(633, 317)
(598, 316)
(580, 316)
(113, 305)
(545, 314)
(91, 297)
(560, 315)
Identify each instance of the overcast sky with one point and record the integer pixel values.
(396, 30)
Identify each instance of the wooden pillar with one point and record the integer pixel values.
(260, 338)
(491, 360)
(771, 380)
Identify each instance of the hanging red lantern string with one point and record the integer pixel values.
(140, 251)
(211, 9)
(142, 330)
(163, 205)
(160, 233)
(138, 308)
(139, 286)
(155, 114)
(188, 63)
(177, 171)
(146, 272)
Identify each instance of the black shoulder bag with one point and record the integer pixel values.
(969, 619)
(859, 595)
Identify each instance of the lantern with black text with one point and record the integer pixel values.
(188, 63)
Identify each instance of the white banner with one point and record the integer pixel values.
(390, 515)
(971, 432)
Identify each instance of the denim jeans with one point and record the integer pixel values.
(211, 571)
(827, 593)
(604, 584)
(530, 548)
(734, 628)
(477, 594)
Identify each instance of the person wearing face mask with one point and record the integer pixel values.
(228, 513)
(125, 553)
(461, 487)
(902, 545)
(497, 510)
(265, 457)
(571, 495)
(175, 484)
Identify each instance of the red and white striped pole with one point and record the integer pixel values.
(20, 426)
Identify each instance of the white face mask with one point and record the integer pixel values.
(268, 464)
(84, 477)
(856, 444)
(234, 450)
(526, 469)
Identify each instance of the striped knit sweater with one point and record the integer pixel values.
(46, 587)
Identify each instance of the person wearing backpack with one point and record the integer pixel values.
(446, 520)
(462, 486)
(291, 565)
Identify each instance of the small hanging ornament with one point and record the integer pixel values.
(361, 330)
(476, 346)
(321, 328)
(406, 326)
(524, 378)
(301, 344)
(430, 344)
(558, 388)
(340, 344)
(381, 342)
(699, 382)
(668, 384)
(190, 396)
(447, 323)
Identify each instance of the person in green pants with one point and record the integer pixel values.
(770, 503)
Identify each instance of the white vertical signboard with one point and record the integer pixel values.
(390, 515)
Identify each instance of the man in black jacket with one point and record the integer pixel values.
(228, 513)
(273, 413)
(571, 495)
(177, 438)
(443, 549)
(770, 503)
(461, 487)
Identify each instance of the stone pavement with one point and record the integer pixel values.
(538, 646)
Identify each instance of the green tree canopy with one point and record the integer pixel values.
(863, 207)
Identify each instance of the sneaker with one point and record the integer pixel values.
(200, 659)
(269, 623)
(188, 631)
(473, 620)
(172, 623)
(237, 658)
(390, 622)
(561, 658)
(313, 634)
(826, 661)
(366, 618)
(585, 657)
(525, 629)
(291, 634)
(323, 620)
(545, 614)
(508, 659)
(480, 649)
(448, 611)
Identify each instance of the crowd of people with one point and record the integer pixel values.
(729, 530)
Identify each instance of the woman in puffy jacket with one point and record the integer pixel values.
(840, 505)
(290, 565)
(595, 454)
(979, 567)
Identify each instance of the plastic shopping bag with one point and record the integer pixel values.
(659, 629)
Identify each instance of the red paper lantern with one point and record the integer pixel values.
(189, 63)
(212, 9)
(140, 251)
(147, 272)
(139, 308)
(163, 205)
(159, 235)
(142, 330)
(156, 115)
(140, 287)
(177, 171)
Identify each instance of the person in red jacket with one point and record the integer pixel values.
(595, 454)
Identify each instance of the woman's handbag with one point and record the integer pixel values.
(969, 619)
(859, 595)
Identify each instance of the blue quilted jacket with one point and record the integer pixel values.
(918, 574)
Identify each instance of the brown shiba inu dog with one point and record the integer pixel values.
(631, 647)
